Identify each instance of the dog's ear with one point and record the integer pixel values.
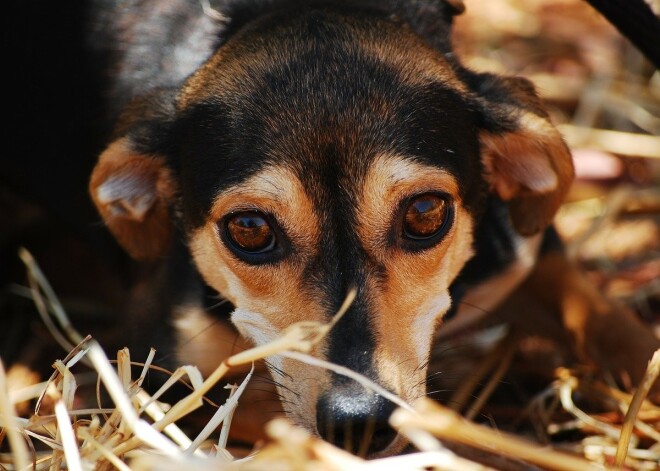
(526, 160)
(132, 186)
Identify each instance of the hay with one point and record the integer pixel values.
(140, 433)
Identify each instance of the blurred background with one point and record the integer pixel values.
(605, 97)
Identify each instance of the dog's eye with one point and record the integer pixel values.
(426, 217)
(250, 232)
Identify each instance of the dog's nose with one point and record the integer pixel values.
(355, 421)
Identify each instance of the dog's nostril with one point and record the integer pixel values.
(355, 422)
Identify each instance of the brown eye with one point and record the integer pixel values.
(250, 232)
(425, 217)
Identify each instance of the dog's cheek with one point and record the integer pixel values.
(299, 385)
(203, 244)
(272, 292)
(412, 302)
(204, 342)
(256, 327)
(425, 322)
(268, 299)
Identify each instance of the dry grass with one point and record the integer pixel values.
(139, 432)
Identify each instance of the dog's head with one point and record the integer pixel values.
(323, 149)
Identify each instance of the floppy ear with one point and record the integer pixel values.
(131, 185)
(526, 160)
(133, 193)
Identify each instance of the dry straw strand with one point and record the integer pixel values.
(445, 423)
(10, 424)
(650, 378)
(69, 443)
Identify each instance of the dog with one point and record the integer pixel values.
(282, 153)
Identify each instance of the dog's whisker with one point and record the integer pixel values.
(285, 402)
(264, 377)
(220, 302)
(272, 183)
(433, 375)
(274, 400)
(277, 370)
(414, 386)
(264, 390)
(478, 308)
(417, 384)
(436, 391)
(403, 362)
(268, 402)
(423, 365)
(266, 380)
(280, 385)
(444, 349)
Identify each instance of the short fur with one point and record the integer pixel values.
(328, 117)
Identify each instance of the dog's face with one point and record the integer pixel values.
(321, 152)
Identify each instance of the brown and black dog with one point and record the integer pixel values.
(288, 151)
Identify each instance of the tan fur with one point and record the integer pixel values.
(602, 331)
(416, 284)
(268, 297)
(532, 168)
(137, 213)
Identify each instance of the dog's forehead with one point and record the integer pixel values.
(316, 36)
(325, 94)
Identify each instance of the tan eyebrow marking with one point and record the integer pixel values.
(278, 191)
(390, 178)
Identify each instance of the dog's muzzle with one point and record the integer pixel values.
(355, 419)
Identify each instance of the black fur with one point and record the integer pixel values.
(325, 103)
